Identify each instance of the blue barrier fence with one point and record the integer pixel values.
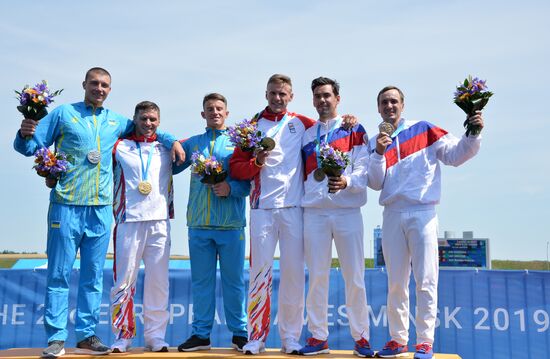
(482, 314)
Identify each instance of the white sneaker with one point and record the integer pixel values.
(157, 345)
(121, 345)
(291, 346)
(254, 347)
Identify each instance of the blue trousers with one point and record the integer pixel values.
(70, 229)
(205, 247)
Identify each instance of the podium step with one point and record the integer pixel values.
(140, 353)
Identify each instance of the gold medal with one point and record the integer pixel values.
(319, 175)
(144, 187)
(387, 128)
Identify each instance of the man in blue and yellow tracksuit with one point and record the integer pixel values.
(80, 213)
(216, 221)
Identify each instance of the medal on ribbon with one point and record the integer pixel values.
(319, 175)
(94, 157)
(144, 186)
(386, 127)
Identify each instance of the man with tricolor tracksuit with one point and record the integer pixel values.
(80, 213)
(216, 219)
(411, 189)
(332, 211)
(143, 206)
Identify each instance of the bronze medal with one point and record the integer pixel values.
(319, 175)
(267, 143)
(387, 128)
(144, 187)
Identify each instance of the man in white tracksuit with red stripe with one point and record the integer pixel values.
(332, 210)
(411, 188)
(143, 207)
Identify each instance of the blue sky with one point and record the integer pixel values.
(174, 52)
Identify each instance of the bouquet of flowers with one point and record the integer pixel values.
(210, 169)
(471, 96)
(248, 137)
(51, 165)
(333, 161)
(33, 101)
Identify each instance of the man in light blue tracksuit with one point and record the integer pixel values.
(80, 213)
(216, 221)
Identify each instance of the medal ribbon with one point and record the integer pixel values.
(96, 135)
(328, 137)
(400, 128)
(145, 170)
(274, 130)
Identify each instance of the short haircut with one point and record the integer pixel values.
(146, 106)
(387, 88)
(214, 96)
(321, 81)
(96, 69)
(280, 79)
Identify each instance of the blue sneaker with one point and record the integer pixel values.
(314, 347)
(362, 349)
(424, 351)
(393, 349)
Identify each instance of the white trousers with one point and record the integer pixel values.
(345, 226)
(411, 238)
(134, 241)
(267, 228)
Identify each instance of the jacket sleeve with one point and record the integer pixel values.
(376, 168)
(186, 147)
(242, 165)
(46, 132)
(454, 152)
(359, 161)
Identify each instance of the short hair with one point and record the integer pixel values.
(214, 96)
(321, 81)
(96, 69)
(146, 106)
(387, 88)
(280, 79)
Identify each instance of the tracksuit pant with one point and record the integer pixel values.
(205, 247)
(71, 229)
(410, 238)
(267, 228)
(133, 242)
(345, 226)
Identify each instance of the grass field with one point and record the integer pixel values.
(8, 260)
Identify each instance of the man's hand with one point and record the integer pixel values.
(178, 153)
(349, 121)
(382, 141)
(336, 183)
(28, 127)
(476, 119)
(51, 182)
(261, 156)
(221, 189)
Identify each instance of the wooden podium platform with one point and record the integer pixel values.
(139, 353)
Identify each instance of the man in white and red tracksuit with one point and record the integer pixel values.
(143, 207)
(275, 216)
(332, 210)
(411, 189)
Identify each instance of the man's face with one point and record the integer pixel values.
(97, 87)
(325, 102)
(390, 106)
(215, 112)
(146, 122)
(278, 96)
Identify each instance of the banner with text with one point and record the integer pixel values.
(482, 314)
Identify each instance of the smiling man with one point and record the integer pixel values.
(411, 188)
(216, 221)
(143, 207)
(80, 213)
